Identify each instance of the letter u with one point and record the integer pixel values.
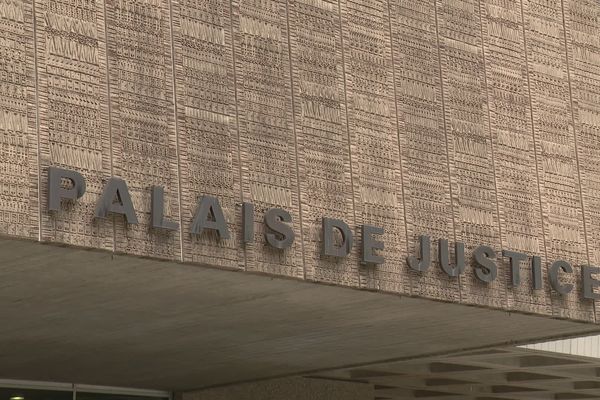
(444, 256)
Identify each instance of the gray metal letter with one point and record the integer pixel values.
(459, 249)
(536, 272)
(515, 265)
(281, 235)
(553, 275)
(369, 244)
(158, 210)
(209, 215)
(589, 282)
(55, 190)
(423, 265)
(329, 247)
(248, 221)
(115, 199)
(486, 269)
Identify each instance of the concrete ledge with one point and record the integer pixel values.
(296, 388)
(94, 317)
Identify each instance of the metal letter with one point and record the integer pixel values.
(158, 210)
(553, 275)
(459, 249)
(209, 215)
(56, 191)
(329, 247)
(486, 269)
(589, 282)
(279, 234)
(115, 199)
(248, 222)
(369, 244)
(515, 265)
(423, 265)
(536, 272)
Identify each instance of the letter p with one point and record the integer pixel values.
(57, 192)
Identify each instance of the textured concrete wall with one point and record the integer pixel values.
(287, 389)
(472, 120)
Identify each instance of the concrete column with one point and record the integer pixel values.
(296, 388)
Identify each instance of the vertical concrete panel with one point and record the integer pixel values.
(144, 142)
(555, 146)
(582, 23)
(470, 152)
(372, 123)
(19, 208)
(325, 176)
(266, 128)
(207, 126)
(426, 183)
(74, 131)
(513, 145)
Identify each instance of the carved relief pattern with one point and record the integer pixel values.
(322, 135)
(514, 153)
(471, 120)
(470, 150)
(374, 137)
(422, 140)
(582, 23)
(555, 147)
(142, 119)
(267, 141)
(19, 209)
(73, 114)
(208, 139)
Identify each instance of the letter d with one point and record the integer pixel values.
(329, 246)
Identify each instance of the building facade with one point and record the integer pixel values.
(439, 153)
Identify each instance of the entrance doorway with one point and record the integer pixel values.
(32, 390)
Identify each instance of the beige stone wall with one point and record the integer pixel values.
(474, 120)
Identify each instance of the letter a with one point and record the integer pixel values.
(210, 216)
(116, 199)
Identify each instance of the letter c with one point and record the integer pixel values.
(553, 275)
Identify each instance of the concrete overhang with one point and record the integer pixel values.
(94, 317)
(508, 373)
